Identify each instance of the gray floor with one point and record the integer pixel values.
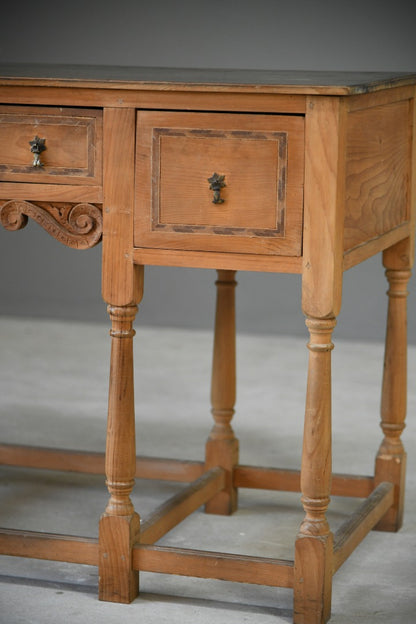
(53, 379)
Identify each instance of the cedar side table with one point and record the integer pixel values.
(291, 172)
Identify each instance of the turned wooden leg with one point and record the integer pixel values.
(222, 445)
(314, 544)
(119, 525)
(391, 457)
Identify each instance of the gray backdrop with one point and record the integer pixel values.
(40, 277)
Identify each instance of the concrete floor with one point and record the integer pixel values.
(53, 384)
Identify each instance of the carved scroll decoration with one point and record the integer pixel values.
(78, 226)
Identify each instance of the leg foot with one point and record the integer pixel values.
(117, 581)
(313, 579)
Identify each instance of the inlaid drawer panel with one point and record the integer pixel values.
(58, 145)
(219, 182)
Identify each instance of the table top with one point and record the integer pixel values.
(270, 81)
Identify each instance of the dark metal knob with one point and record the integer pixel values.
(37, 146)
(216, 183)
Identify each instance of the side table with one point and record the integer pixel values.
(291, 172)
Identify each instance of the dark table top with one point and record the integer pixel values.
(279, 81)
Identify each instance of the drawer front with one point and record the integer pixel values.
(71, 145)
(219, 182)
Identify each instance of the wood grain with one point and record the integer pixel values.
(313, 546)
(312, 590)
(73, 141)
(355, 256)
(50, 546)
(155, 99)
(320, 176)
(122, 282)
(117, 581)
(222, 446)
(391, 456)
(185, 471)
(211, 260)
(51, 192)
(324, 207)
(181, 505)
(262, 159)
(89, 462)
(251, 165)
(378, 147)
(281, 479)
(351, 533)
(206, 564)
(119, 525)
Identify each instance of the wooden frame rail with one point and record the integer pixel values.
(50, 546)
(190, 562)
(261, 478)
(181, 505)
(177, 470)
(214, 565)
(90, 462)
(360, 523)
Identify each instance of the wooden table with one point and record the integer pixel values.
(289, 172)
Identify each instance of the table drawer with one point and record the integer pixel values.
(71, 145)
(219, 182)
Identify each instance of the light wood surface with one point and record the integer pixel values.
(319, 172)
(222, 447)
(261, 158)
(324, 207)
(52, 192)
(180, 506)
(120, 524)
(378, 171)
(122, 281)
(50, 546)
(360, 523)
(313, 547)
(221, 566)
(391, 457)
(73, 145)
(218, 260)
(178, 470)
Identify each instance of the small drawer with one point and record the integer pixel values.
(220, 182)
(70, 139)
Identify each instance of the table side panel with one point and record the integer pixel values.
(377, 172)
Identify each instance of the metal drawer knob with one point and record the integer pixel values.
(216, 183)
(37, 146)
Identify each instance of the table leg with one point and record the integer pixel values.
(391, 458)
(120, 525)
(314, 544)
(222, 445)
